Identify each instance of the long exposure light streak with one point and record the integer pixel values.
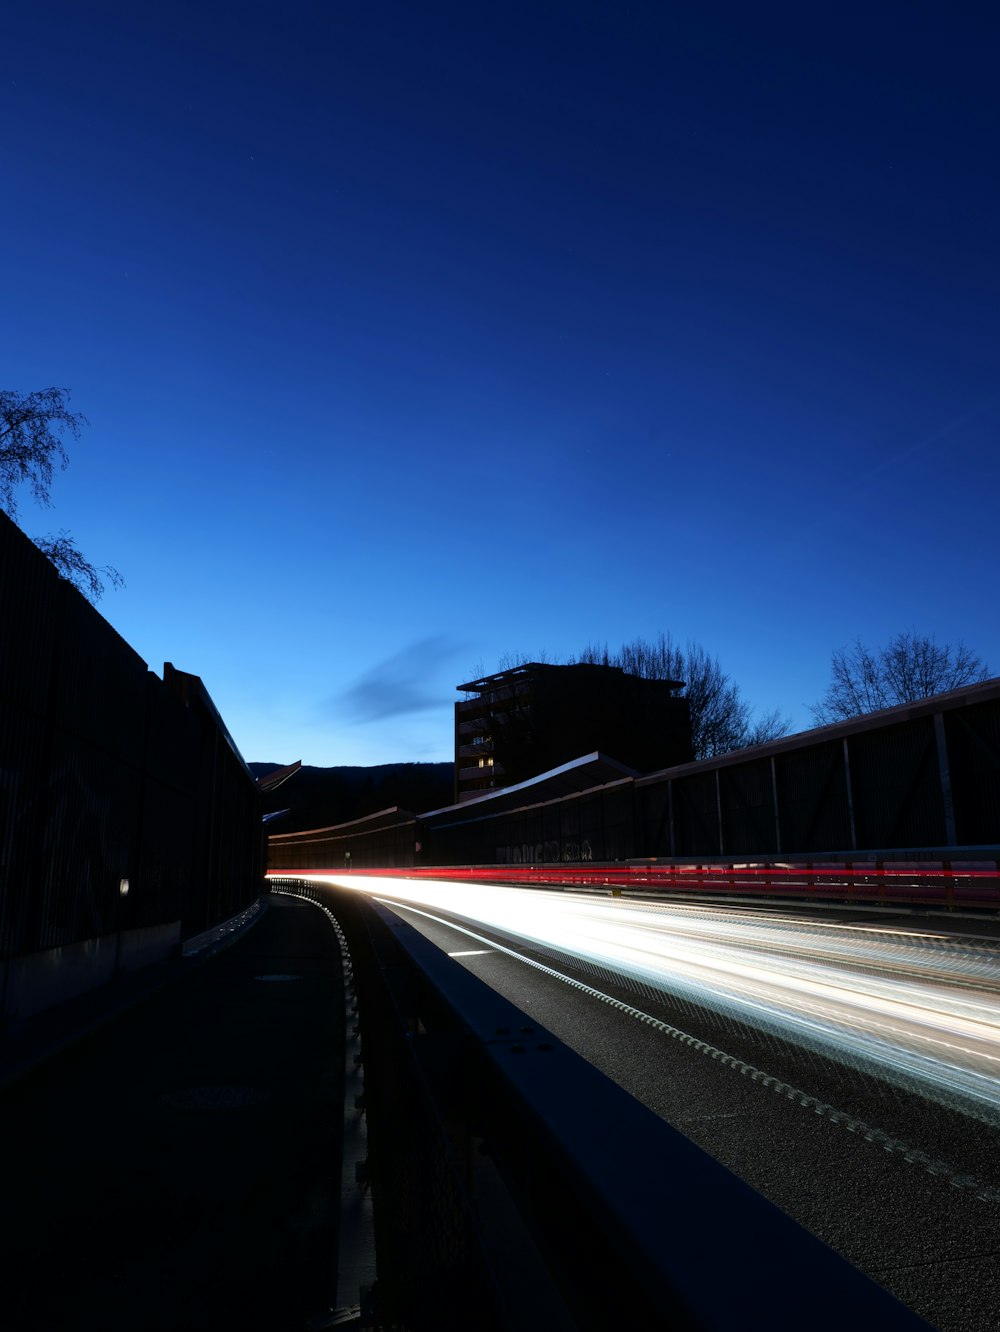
(951, 883)
(918, 1010)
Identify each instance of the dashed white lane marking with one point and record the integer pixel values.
(473, 952)
(980, 1189)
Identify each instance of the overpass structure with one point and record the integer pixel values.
(903, 799)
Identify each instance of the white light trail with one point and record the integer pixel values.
(920, 1011)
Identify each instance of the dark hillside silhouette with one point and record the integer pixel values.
(319, 797)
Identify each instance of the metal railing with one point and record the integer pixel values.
(935, 881)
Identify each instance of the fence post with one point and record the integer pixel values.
(947, 798)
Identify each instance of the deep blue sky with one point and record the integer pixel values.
(413, 334)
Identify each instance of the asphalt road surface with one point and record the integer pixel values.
(845, 1065)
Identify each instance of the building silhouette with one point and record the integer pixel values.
(520, 722)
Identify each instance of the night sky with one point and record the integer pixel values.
(414, 334)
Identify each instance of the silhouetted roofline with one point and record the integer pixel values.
(567, 779)
(541, 667)
(270, 781)
(191, 691)
(393, 815)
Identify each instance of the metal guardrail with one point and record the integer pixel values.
(927, 881)
(638, 1226)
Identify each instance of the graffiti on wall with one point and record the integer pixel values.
(544, 853)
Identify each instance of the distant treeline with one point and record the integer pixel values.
(320, 797)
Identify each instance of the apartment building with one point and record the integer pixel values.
(520, 722)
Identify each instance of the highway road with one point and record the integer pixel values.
(846, 1064)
